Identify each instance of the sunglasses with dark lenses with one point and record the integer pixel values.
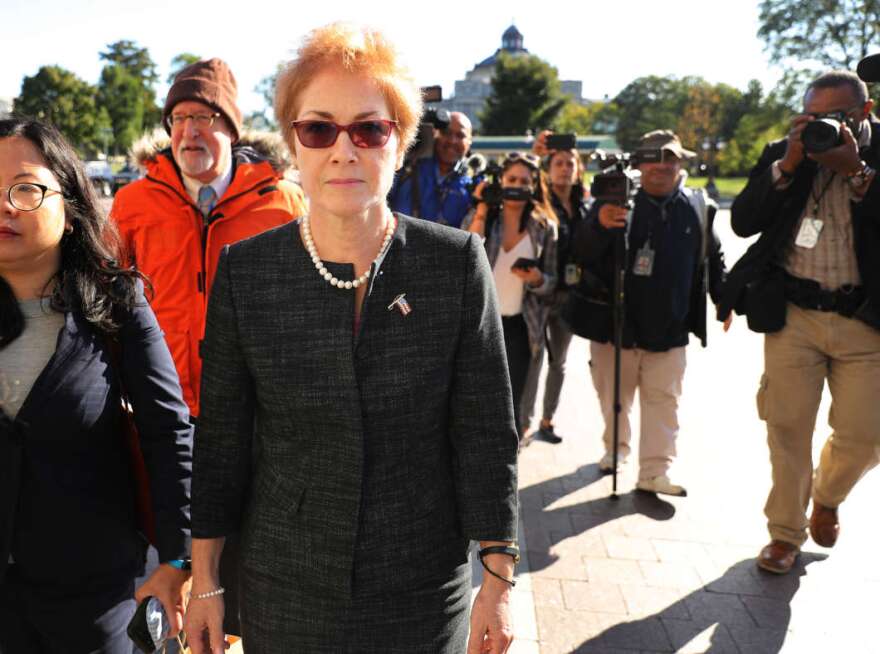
(527, 158)
(363, 133)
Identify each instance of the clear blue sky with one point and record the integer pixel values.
(604, 43)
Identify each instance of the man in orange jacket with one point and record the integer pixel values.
(205, 191)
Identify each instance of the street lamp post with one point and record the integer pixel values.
(711, 146)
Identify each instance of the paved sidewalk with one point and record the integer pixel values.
(645, 574)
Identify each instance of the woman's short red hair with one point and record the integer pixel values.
(358, 50)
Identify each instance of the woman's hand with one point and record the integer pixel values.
(491, 630)
(170, 586)
(531, 276)
(478, 221)
(539, 145)
(204, 624)
(204, 616)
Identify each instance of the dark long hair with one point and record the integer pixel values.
(89, 280)
(578, 191)
(538, 206)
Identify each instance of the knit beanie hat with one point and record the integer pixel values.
(208, 81)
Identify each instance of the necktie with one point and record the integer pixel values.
(207, 196)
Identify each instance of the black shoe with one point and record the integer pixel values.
(547, 434)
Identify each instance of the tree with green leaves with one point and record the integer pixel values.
(807, 38)
(136, 61)
(578, 118)
(526, 95)
(266, 88)
(121, 95)
(180, 62)
(827, 33)
(765, 119)
(649, 103)
(57, 96)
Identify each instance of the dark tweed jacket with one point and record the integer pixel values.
(355, 462)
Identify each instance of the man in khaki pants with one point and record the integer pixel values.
(812, 284)
(674, 258)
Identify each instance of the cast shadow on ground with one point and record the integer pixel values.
(546, 527)
(748, 608)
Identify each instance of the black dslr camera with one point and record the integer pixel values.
(619, 180)
(823, 133)
(493, 193)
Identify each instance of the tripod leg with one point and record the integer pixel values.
(619, 316)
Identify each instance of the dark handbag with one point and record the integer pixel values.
(764, 302)
(143, 502)
(587, 309)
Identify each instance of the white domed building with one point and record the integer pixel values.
(471, 92)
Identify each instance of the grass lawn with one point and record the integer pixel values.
(728, 187)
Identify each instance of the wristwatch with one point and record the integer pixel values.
(180, 564)
(860, 177)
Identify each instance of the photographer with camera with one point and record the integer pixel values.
(519, 229)
(673, 258)
(812, 285)
(437, 187)
(568, 197)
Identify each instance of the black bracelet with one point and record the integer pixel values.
(511, 551)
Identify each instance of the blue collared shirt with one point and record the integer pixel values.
(442, 199)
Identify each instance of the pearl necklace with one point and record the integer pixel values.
(322, 269)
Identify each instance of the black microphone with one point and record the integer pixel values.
(476, 163)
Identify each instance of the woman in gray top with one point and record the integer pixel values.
(69, 544)
(356, 421)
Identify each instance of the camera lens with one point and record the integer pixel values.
(821, 134)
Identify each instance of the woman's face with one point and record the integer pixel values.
(563, 169)
(28, 239)
(517, 175)
(343, 179)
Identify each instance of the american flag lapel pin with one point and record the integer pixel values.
(401, 304)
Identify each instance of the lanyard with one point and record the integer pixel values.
(817, 200)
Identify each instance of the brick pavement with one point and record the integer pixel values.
(645, 574)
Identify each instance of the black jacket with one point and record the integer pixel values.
(381, 454)
(66, 493)
(567, 227)
(589, 310)
(755, 285)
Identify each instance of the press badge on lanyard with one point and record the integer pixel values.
(808, 234)
(643, 265)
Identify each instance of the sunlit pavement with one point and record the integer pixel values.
(644, 574)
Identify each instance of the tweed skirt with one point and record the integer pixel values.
(431, 619)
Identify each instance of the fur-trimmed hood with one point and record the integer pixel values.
(267, 145)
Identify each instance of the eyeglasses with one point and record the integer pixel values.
(27, 196)
(527, 158)
(363, 133)
(202, 121)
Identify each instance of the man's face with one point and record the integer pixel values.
(661, 178)
(838, 99)
(202, 153)
(453, 142)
